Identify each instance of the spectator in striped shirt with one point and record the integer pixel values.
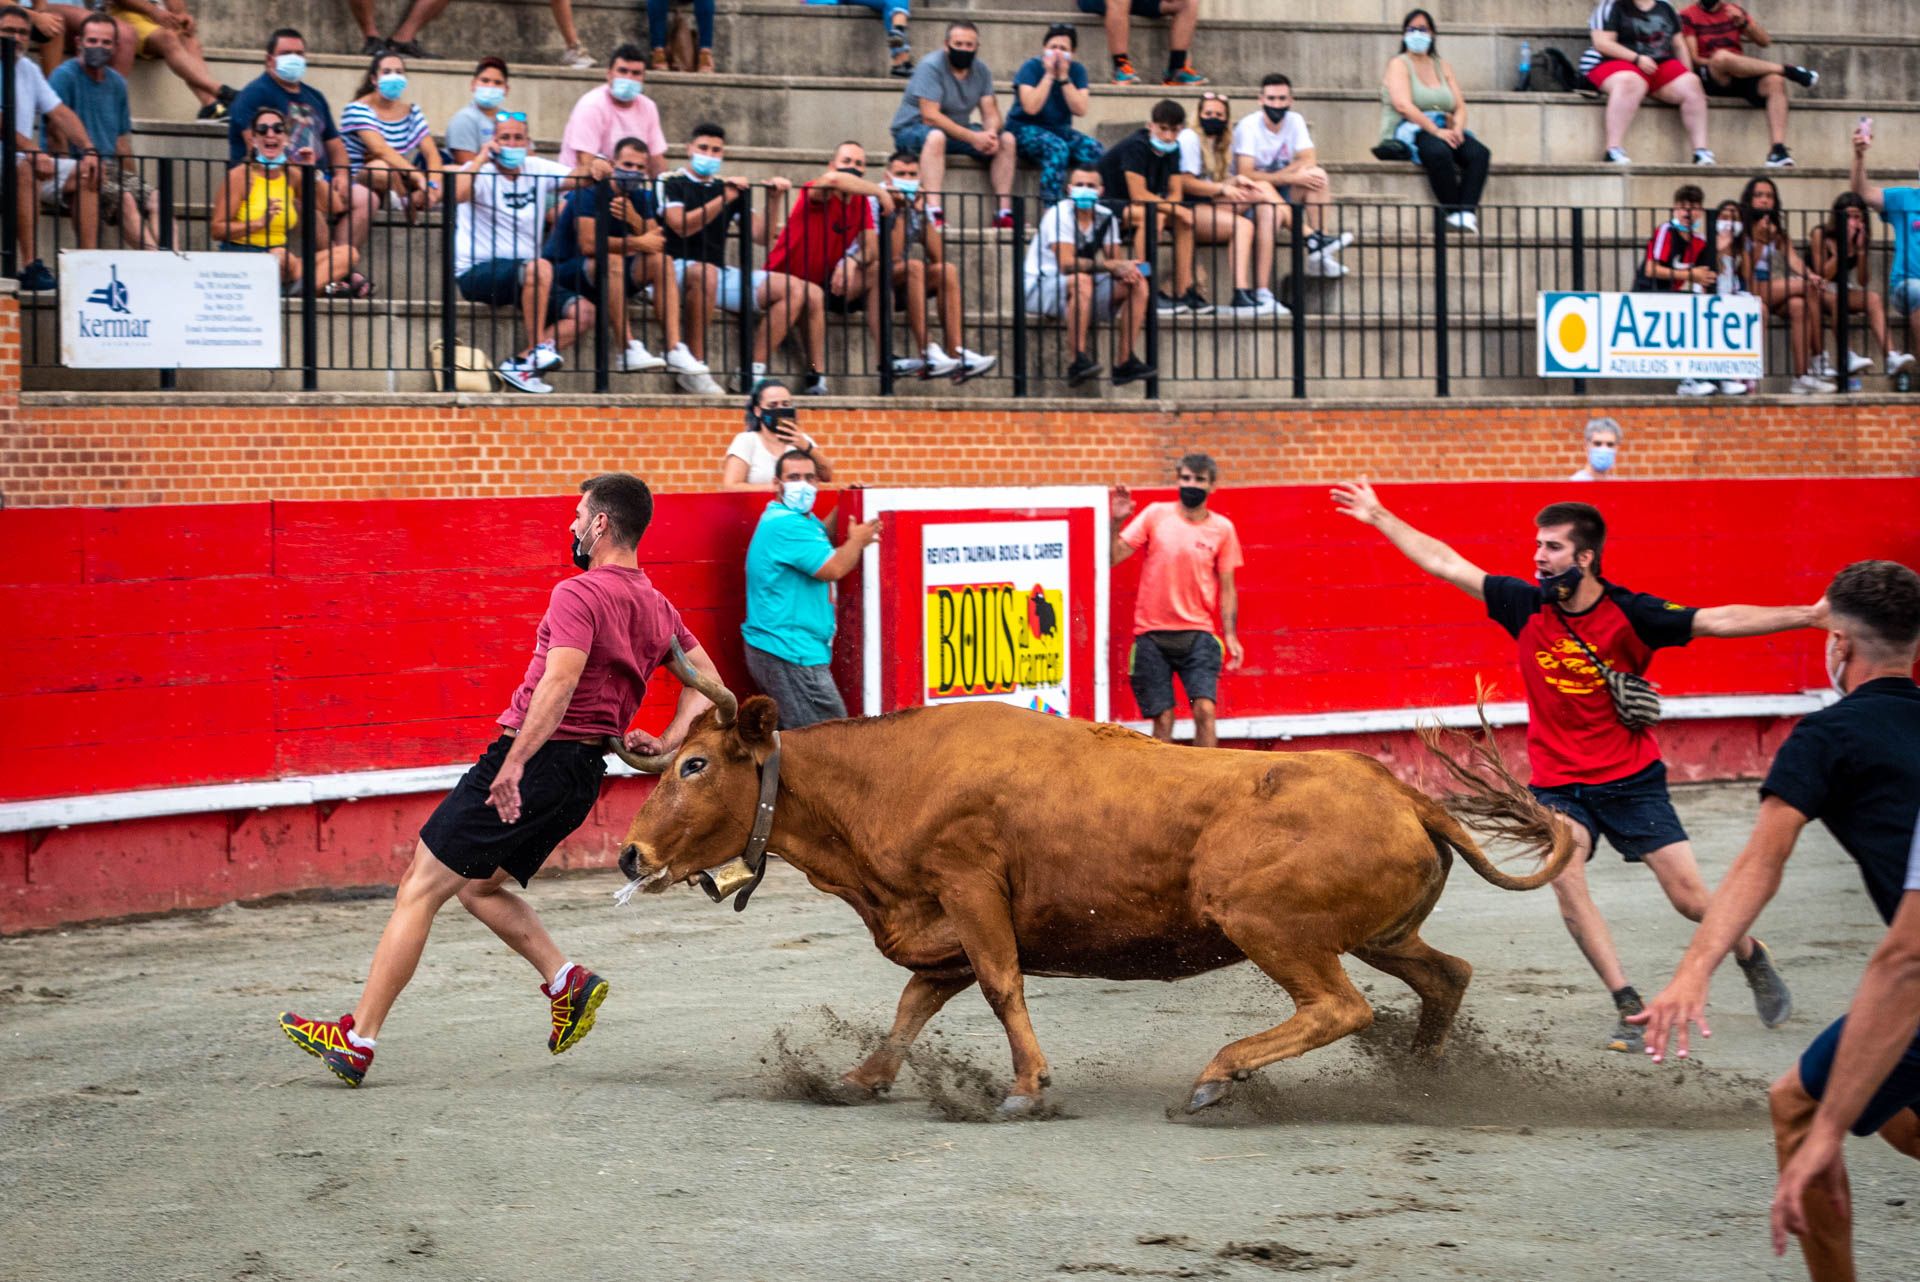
(1716, 32)
(390, 147)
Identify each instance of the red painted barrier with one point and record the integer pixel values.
(158, 647)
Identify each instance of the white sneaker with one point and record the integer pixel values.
(1732, 387)
(544, 357)
(518, 375)
(681, 360)
(973, 364)
(1617, 156)
(1701, 156)
(577, 58)
(1696, 387)
(1858, 364)
(1821, 367)
(1269, 305)
(1325, 265)
(636, 359)
(699, 384)
(1808, 385)
(905, 366)
(1464, 221)
(1897, 361)
(939, 364)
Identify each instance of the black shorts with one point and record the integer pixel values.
(1157, 656)
(1745, 88)
(1900, 1090)
(557, 792)
(1635, 813)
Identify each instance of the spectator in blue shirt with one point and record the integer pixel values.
(639, 242)
(345, 209)
(1900, 207)
(791, 565)
(1048, 92)
(97, 95)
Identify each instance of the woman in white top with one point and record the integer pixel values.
(389, 144)
(772, 430)
(1231, 207)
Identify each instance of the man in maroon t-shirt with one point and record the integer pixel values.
(1600, 776)
(604, 633)
(1716, 32)
(830, 238)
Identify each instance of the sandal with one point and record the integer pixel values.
(354, 286)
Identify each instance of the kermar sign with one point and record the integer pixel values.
(121, 309)
(1662, 336)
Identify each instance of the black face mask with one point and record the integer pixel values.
(855, 170)
(1212, 126)
(583, 557)
(1274, 114)
(1560, 587)
(1192, 496)
(960, 59)
(774, 417)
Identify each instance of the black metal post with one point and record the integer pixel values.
(743, 214)
(881, 296)
(10, 158)
(1297, 301)
(1441, 336)
(1579, 275)
(1017, 274)
(1152, 224)
(309, 307)
(449, 290)
(1842, 319)
(169, 379)
(603, 232)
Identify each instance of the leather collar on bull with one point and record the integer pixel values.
(744, 871)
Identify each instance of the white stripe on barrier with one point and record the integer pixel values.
(302, 790)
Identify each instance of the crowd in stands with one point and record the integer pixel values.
(528, 228)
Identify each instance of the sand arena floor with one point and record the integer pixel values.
(155, 1124)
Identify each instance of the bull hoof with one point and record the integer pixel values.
(849, 1091)
(1207, 1094)
(1018, 1106)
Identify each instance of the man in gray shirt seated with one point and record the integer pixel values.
(935, 119)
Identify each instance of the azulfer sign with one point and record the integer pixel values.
(1660, 336)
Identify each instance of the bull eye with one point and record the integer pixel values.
(692, 766)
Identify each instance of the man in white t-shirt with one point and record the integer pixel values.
(1077, 267)
(1273, 146)
(503, 197)
(33, 98)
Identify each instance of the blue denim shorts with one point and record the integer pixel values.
(497, 281)
(1157, 656)
(913, 137)
(1904, 295)
(1900, 1090)
(1635, 814)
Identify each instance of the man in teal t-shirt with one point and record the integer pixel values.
(1900, 207)
(790, 565)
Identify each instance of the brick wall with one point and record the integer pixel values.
(120, 448)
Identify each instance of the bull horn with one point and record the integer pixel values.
(725, 707)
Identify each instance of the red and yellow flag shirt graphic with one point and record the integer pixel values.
(1573, 735)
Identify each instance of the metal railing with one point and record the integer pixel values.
(1418, 307)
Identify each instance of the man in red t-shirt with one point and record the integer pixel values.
(604, 633)
(1600, 776)
(1192, 554)
(1716, 32)
(831, 240)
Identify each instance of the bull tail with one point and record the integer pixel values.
(1494, 801)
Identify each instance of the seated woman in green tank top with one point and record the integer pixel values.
(1423, 111)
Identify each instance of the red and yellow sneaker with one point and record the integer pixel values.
(573, 1007)
(327, 1041)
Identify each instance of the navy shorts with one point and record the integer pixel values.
(1635, 814)
(576, 276)
(1157, 656)
(1900, 1090)
(557, 792)
(1138, 8)
(497, 281)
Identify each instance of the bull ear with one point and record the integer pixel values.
(759, 718)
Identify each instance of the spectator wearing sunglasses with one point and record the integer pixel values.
(1048, 92)
(1423, 114)
(256, 211)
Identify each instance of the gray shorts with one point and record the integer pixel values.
(805, 692)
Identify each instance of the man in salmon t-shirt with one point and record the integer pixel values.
(604, 633)
(1598, 775)
(1192, 554)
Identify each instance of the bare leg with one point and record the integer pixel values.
(182, 55)
(362, 11)
(1138, 297)
(1180, 22)
(1080, 310)
(27, 210)
(1582, 915)
(1687, 94)
(575, 321)
(427, 885)
(1679, 876)
(1773, 91)
(1000, 170)
(920, 1002)
(916, 281)
(1182, 220)
(1827, 1245)
(514, 921)
(933, 168)
(1163, 726)
(945, 281)
(701, 282)
(563, 19)
(1625, 92)
(422, 12)
(536, 282)
(1204, 733)
(666, 298)
(1116, 24)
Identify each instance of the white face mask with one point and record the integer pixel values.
(798, 495)
(1836, 667)
(1726, 226)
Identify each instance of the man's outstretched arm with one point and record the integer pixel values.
(1358, 501)
(1757, 620)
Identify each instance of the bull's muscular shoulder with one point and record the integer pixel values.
(1120, 734)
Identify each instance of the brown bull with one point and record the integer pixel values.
(985, 842)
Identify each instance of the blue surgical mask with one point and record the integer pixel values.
(908, 187)
(391, 87)
(1600, 457)
(270, 162)
(1084, 197)
(1162, 146)
(703, 166)
(291, 67)
(1417, 41)
(511, 157)
(487, 97)
(798, 495)
(624, 89)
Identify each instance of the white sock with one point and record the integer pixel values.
(559, 980)
(364, 1043)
